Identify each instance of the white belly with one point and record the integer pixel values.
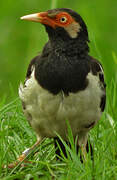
(48, 113)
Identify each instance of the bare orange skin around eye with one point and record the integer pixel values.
(54, 22)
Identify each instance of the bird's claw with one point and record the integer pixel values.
(20, 159)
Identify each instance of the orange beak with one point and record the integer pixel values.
(37, 17)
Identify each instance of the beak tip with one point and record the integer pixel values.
(21, 17)
(31, 17)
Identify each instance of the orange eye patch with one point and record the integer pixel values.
(63, 19)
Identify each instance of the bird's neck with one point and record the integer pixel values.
(61, 42)
(71, 47)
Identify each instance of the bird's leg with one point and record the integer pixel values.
(57, 142)
(82, 142)
(24, 155)
(83, 153)
(27, 151)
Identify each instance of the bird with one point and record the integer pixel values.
(63, 82)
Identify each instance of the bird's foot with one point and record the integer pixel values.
(22, 158)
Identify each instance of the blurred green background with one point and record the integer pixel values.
(20, 41)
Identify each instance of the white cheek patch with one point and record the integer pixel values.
(73, 29)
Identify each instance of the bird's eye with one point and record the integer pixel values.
(63, 19)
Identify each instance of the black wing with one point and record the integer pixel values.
(32, 63)
(97, 70)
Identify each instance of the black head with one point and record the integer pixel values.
(76, 28)
(61, 22)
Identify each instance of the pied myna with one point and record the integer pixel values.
(63, 82)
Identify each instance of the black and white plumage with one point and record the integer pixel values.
(63, 82)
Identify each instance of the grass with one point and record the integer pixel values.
(16, 135)
(20, 41)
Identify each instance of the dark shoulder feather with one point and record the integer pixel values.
(45, 53)
(95, 66)
(32, 63)
(97, 70)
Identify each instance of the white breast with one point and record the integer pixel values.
(48, 113)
